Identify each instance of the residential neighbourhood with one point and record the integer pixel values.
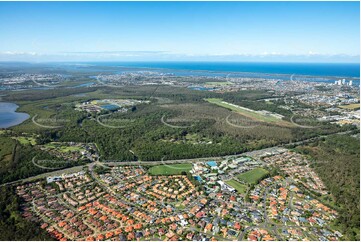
(236, 198)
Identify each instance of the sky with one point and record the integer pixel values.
(171, 31)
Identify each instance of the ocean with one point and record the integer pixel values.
(309, 69)
(319, 72)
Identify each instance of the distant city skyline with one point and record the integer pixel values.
(180, 31)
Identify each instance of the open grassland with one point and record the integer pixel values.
(253, 176)
(173, 169)
(63, 148)
(353, 106)
(249, 113)
(241, 188)
(25, 140)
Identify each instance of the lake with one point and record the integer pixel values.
(9, 117)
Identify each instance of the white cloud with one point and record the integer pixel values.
(272, 56)
(18, 53)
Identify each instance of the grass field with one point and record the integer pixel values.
(248, 112)
(253, 176)
(63, 148)
(218, 83)
(353, 106)
(241, 188)
(172, 169)
(25, 140)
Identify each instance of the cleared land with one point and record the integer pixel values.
(63, 148)
(25, 140)
(253, 176)
(218, 83)
(353, 106)
(241, 188)
(248, 112)
(175, 169)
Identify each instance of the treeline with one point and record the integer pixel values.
(262, 105)
(250, 95)
(337, 161)
(13, 227)
(323, 129)
(33, 95)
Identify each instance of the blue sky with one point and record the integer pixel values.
(239, 31)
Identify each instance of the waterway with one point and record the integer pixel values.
(8, 115)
